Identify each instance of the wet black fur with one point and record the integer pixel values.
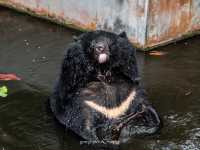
(78, 68)
(79, 72)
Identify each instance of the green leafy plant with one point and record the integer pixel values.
(3, 91)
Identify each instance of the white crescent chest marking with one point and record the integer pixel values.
(114, 112)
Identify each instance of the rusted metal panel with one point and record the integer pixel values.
(195, 12)
(167, 19)
(171, 19)
(147, 22)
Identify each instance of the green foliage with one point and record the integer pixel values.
(3, 91)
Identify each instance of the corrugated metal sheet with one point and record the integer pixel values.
(147, 22)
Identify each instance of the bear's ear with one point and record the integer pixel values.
(123, 34)
(75, 38)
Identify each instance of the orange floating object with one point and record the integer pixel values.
(7, 77)
(157, 53)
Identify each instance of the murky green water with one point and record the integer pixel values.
(33, 49)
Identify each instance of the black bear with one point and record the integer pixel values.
(98, 95)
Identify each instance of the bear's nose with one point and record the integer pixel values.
(100, 49)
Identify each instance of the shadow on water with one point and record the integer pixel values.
(33, 49)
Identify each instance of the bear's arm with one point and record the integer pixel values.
(74, 73)
(126, 56)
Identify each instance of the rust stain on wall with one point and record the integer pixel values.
(140, 9)
(168, 19)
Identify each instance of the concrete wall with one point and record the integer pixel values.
(148, 23)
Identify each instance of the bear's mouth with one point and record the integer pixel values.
(103, 58)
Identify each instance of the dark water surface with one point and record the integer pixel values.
(33, 49)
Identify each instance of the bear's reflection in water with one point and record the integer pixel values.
(109, 112)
